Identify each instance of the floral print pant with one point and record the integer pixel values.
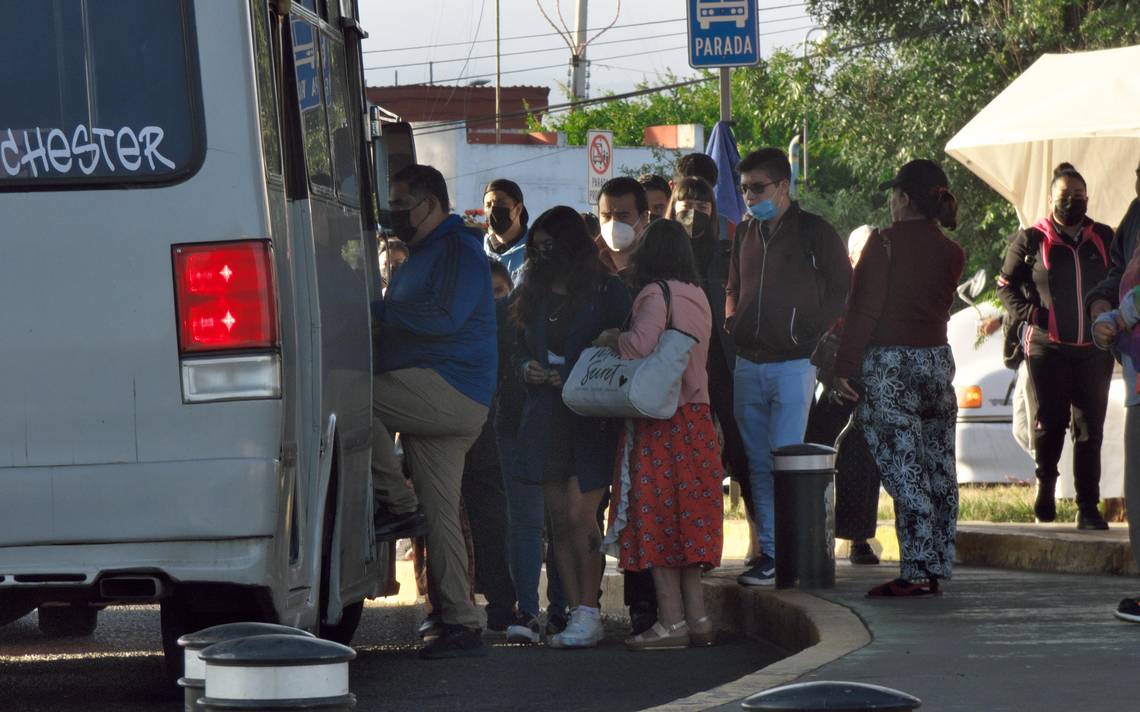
(908, 416)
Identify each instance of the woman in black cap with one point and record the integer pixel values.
(1050, 270)
(895, 361)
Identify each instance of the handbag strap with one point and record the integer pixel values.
(668, 302)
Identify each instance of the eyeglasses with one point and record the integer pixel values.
(756, 188)
(545, 247)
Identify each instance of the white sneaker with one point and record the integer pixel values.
(583, 631)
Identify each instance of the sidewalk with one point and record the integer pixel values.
(997, 640)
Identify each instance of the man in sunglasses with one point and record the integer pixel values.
(787, 284)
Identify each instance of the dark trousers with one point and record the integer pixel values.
(486, 506)
(856, 474)
(734, 457)
(1071, 383)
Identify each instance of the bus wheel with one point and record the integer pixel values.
(74, 620)
(349, 620)
(14, 605)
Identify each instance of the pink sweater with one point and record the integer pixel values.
(691, 314)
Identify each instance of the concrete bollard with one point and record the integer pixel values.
(805, 515)
(193, 680)
(273, 673)
(832, 697)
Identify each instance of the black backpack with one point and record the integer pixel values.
(1012, 351)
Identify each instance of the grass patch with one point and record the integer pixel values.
(976, 503)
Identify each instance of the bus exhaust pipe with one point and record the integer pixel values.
(132, 588)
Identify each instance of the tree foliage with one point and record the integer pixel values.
(892, 81)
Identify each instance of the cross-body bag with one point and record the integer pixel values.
(827, 350)
(603, 384)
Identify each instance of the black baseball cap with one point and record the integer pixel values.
(921, 174)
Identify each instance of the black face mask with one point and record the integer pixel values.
(696, 224)
(500, 220)
(402, 223)
(1070, 211)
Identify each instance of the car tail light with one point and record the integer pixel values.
(226, 297)
(970, 397)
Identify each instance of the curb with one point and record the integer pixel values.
(815, 632)
(1048, 548)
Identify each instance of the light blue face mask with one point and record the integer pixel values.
(764, 210)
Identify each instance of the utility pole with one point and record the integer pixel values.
(578, 57)
(807, 92)
(431, 73)
(498, 82)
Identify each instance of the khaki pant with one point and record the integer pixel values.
(437, 425)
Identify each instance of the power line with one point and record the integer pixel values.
(512, 163)
(451, 125)
(602, 59)
(554, 34)
(562, 49)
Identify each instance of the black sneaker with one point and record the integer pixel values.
(862, 554)
(524, 630)
(556, 622)
(1129, 610)
(1045, 506)
(389, 526)
(430, 627)
(1091, 520)
(499, 619)
(456, 641)
(642, 616)
(762, 574)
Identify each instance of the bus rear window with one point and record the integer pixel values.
(98, 92)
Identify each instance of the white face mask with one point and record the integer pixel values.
(619, 236)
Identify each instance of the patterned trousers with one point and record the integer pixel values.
(908, 416)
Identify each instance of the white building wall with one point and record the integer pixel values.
(548, 175)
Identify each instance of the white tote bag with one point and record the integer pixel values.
(603, 384)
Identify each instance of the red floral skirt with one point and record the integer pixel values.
(668, 504)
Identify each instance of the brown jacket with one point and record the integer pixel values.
(786, 287)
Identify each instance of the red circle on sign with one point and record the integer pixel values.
(600, 154)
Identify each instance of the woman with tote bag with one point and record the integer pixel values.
(666, 511)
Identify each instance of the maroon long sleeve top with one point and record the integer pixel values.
(903, 299)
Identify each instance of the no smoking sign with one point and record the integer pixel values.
(599, 163)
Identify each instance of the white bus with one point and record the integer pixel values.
(186, 194)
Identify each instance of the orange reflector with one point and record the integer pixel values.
(970, 397)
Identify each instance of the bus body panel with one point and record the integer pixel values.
(97, 449)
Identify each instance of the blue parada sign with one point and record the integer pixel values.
(723, 33)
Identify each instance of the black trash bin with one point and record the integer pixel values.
(804, 477)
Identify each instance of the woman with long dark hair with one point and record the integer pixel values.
(566, 299)
(894, 360)
(1050, 270)
(667, 514)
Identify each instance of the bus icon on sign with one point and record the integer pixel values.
(710, 11)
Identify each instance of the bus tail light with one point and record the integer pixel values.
(970, 397)
(225, 296)
(226, 304)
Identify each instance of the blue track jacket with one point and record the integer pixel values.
(439, 313)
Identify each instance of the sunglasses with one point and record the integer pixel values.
(756, 188)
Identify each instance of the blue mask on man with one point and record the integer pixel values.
(764, 210)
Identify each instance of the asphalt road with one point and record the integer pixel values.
(119, 669)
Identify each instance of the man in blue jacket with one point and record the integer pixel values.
(435, 375)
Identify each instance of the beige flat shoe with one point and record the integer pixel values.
(661, 637)
(702, 638)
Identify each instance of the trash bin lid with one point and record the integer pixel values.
(803, 457)
(229, 631)
(827, 696)
(277, 651)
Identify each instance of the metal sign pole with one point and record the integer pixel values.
(726, 94)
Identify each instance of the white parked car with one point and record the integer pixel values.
(986, 447)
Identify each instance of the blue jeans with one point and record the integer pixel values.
(772, 403)
(526, 508)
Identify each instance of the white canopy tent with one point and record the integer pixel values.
(1083, 108)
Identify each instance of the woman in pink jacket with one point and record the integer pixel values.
(666, 512)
